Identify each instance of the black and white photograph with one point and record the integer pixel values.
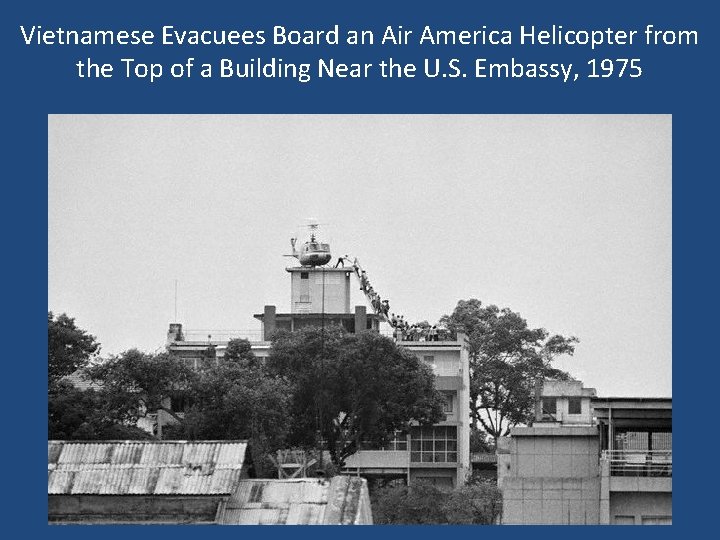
(360, 319)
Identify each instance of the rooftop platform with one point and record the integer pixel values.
(322, 269)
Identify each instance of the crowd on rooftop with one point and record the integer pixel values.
(402, 329)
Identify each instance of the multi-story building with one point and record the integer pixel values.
(319, 296)
(636, 460)
(588, 460)
(439, 454)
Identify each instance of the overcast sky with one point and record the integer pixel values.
(565, 219)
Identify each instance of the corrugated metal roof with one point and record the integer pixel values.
(342, 500)
(145, 467)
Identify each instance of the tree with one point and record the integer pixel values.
(237, 400)
(351, 388)
(69, 347)
(422, 503)
(135, 383)
(240, 351)
(506, 357)
(81, 414)
(474, 504)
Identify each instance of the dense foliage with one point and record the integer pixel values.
(69, 347)
(320, 389)
(506, 357)
(351, 388)
(422, 503)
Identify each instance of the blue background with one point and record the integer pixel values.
(42, 80)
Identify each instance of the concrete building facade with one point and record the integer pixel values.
(588, 460)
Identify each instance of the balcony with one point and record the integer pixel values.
(379, 459)
(652, 463)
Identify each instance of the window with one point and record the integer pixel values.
(305, 298)
(433, 444)
(549, 405)
(304, 275)
(662, 441)
(398, 442)
(624, 520)
(430, 361)
(656, 520)
(448, 404)
(574, 405)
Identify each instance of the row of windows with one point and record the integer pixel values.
(550, 405)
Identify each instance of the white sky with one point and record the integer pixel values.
(566, 219)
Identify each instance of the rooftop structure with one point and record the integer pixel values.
(343, 500)
(563, 403)
(188, 482)
(141, 481)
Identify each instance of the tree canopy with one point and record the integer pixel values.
(351, 388)
(506, 357)
(69, 347)
(239, 351)
(75, 414)
(236, 399)
(135, 383)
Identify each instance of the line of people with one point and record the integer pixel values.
(401, 328)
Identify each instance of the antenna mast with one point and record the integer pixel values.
(176, 288)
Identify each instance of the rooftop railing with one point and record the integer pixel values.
(639, 462)
(215, 336)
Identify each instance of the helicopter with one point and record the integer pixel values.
(311, 253)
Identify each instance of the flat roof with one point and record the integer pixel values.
(664, 403)
(321, 269)
(286, 316)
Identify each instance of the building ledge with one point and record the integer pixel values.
(654, 484)
(554, 431)
(327, 316)
(324, 269)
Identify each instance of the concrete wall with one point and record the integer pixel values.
(307, 294)
(444, 362)
(550, 476)
(551, 501)
(554, 457)
(634, 508)
(112, 509)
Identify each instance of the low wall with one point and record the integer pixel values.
(638, 508)
(551, 501)
(141, 508)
